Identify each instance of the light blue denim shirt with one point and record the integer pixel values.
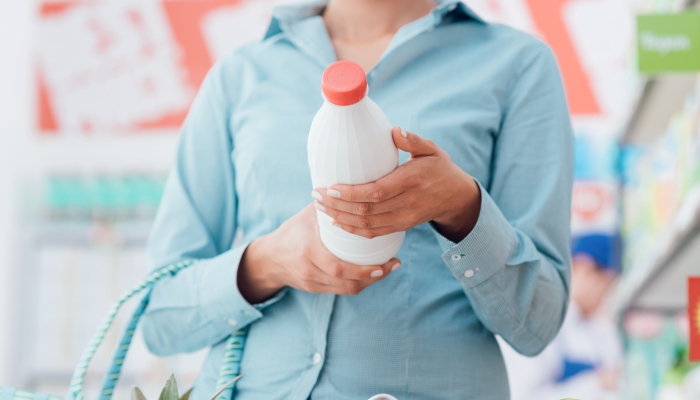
(489, 95)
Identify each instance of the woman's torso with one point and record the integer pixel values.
(414, 334)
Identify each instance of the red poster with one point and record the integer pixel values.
(694, 317)
(132, 65)
(549, 18)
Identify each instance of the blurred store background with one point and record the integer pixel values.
(92, 94)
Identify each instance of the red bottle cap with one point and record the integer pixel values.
(344, 83)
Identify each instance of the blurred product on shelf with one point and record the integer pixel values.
(109, 197)
(656, 357)
(595, 208)
(595, 157)
(658, 177)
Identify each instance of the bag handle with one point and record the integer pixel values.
(230, 366)
(115, 369)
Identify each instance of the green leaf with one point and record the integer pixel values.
(170, 390)
(137, 394)
(186, 396)
(231, 382)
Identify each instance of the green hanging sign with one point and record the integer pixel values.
(669, 42)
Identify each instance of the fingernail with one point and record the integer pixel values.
(336, 224)
(316, 196)
(403, 133)
(320, 207)
(333, 193)
(377, 273)
(395, 267)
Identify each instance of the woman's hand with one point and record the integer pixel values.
(293, 255)
(428, 187)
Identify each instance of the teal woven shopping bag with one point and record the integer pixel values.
(229, 368)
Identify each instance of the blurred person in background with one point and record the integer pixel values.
(485, 198)
(585, 358)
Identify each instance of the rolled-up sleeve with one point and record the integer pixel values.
(514, 265)
(201, 305)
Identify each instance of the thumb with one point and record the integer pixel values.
(412, 143)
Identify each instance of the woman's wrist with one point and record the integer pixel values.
(256, 278)
(460, 219)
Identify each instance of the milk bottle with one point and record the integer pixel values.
(350, 143)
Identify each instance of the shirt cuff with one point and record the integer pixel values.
(485, 250)
(223, 304)
(271, 301)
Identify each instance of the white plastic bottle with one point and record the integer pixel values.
(350, 143)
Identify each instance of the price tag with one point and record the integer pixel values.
(669, 43)
(694, 318)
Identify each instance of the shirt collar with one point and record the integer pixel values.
(296, 12)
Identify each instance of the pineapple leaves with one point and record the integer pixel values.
(186, 396)
(136, 394)
(170, 390)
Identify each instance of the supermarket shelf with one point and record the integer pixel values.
(669, 288)
(85, 233)
(659, 282)
(661, 97)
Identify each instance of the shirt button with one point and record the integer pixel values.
(456, 257)
(317, 358)
(232, 322)
(469, 273)
(248, 312)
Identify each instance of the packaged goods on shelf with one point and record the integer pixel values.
(658, 178)
(656, 359)
(103, 196)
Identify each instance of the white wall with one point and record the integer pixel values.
(15, 70)
(26, 157)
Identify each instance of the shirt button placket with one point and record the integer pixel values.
(323, 309)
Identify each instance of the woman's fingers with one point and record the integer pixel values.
(360, 221)
(412, 143)
(369, 233)
(318, 280)
(362, 208)
(383, 189)
(341, 270)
